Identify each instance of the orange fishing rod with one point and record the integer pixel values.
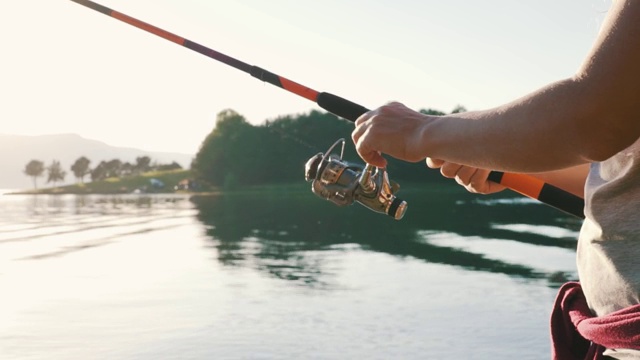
(523, 184)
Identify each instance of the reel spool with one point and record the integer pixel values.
(342, 183)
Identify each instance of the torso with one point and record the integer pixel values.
(609, 245)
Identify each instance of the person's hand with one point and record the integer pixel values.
(392, 129)
(473, 179)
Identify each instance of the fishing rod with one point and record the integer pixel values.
(334, 179)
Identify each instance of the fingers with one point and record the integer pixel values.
(491, 187)
(368, 139)
(392, 130)
(465, 176)
(434, 163)
(473, 179)
(450, 170)
(476, 181)
(359, 135)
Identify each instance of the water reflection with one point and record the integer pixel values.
(285, 233)
(48, 226)
(291, 275)
(294, 235)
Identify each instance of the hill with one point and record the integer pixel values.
(17, 150)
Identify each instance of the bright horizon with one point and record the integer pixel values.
(69, 69)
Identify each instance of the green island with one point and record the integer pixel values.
(164, 181)
(172, 180)
(234, 156)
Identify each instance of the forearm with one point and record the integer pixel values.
(540, 132)
(585, 118)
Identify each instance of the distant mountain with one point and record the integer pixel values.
(17, 150)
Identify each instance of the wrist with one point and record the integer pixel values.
(428, 139)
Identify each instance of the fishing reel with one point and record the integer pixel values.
(343, 183)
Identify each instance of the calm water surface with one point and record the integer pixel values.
(282, 275)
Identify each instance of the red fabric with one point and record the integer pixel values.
(576, 334)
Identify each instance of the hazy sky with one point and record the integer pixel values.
(68, 69)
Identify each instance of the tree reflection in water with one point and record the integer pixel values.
(287, 233)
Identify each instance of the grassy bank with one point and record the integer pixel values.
(143, 184)
(140, 183)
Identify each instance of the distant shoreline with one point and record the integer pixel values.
(157, 182)
(170, 181)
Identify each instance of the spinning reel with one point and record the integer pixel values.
(343, 183)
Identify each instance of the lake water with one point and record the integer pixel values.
(281, 275)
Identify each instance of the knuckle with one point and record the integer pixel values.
(354, 134)
(462, 181)
(446, 172)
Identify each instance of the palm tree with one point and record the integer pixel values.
(35, 169)
(55, 172)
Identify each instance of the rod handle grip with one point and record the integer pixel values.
(340, 106)
(544, 192)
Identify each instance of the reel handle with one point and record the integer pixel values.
(378, 193)
(397, 209)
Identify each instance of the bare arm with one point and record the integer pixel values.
(585, 118)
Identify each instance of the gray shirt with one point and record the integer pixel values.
(608, 255)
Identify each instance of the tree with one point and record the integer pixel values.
(55, 172)
(80, 168)
(143, 164)
(459, 109)
(167, 167)
(220, 151)
(99, 172)
(126, 169)
(113, 168)
(237, 154)
(432, 112)
(35, 169)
